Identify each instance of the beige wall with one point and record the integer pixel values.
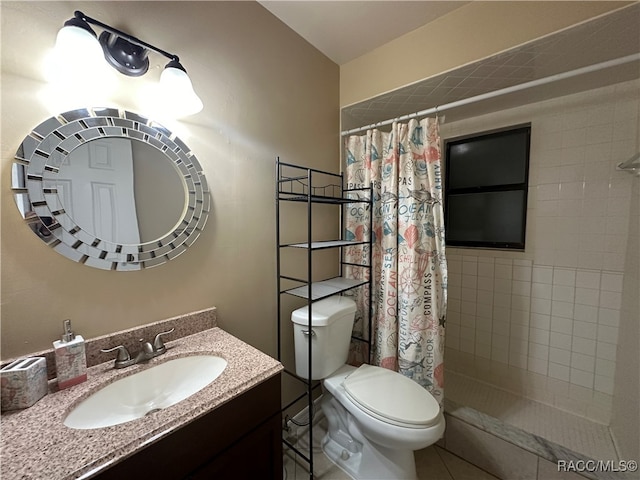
(266, 93)
(470, 33)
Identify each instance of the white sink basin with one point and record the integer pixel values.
(145, 392)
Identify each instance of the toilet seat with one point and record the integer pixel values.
(391, 397)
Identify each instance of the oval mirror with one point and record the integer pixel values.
(110, 189)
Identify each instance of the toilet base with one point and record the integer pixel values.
(346, 447)
(368, 464)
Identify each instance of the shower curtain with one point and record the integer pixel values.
(408, 259)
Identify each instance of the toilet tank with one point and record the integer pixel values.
(330, 335)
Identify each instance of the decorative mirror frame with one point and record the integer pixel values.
(46, 148)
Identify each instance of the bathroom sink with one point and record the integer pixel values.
(146, 392)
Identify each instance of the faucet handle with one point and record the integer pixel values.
(147, 348)
(158, 344)
(123, 357)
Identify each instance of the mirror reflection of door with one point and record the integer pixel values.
(120, 190)
(110, 198)
(97, 185)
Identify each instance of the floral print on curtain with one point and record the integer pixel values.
(409, 267)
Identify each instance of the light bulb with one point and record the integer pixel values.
(177, 92)
(78, 43)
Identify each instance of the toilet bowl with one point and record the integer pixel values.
(376, 417)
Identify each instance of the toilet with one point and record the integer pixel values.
(376, 417)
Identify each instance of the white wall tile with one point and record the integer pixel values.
(520, 303)
(563, 293)
(541, 290)
(606, 351)
(499, 355)
(520, 331)
(502, 300)
(608, 317)
(562, 276)
(521, 288)
(468, 294)
(522, 273)
(541, 274)
(585, 313)
(603, 384)
(587, 296)
(469, 266)
(485, 285)
(562, 325)
(610, 300)
(540, 321)
(503, 271)
(605, 368)
(469, 281)
(537, 365)
(585, 330)
(561, 357)
(502, 285)
(584, 346)
(562, 309)
(561, 372)
(486, 269)
(588, 279)
(519, 317)
(607, 334)
(586, 363)
(454, 279)
(542, 306)
(539, 336)
(468, 307)
(567, 286)
(538, 351)
(560, 340)
(582, 378)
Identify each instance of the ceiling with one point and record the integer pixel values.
(604, 39)
(342, 30)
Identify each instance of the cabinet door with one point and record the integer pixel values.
(256, 456)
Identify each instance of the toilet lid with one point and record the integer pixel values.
(391, 396)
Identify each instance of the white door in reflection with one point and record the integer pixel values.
(97, 188)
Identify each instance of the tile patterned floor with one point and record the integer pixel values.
(576, 433)
(432, 463)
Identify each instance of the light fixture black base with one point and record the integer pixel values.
(126, 57)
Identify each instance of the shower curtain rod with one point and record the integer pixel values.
(503, 91)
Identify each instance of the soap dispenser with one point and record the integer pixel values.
(71, 358)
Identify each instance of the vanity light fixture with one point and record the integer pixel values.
(129, 56)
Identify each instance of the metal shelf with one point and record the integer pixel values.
(295, 183)
(325, 244)
(326, 288)
(297, 197)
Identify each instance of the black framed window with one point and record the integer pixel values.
(486, 181)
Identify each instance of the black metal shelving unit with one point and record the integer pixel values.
(313, 187)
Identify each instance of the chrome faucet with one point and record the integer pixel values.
(147, 351)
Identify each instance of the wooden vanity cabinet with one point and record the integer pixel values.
(241, 439)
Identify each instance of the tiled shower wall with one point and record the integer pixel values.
(545, 322)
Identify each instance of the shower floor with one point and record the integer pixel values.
(570, 431)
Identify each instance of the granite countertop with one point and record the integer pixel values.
(37, 445)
